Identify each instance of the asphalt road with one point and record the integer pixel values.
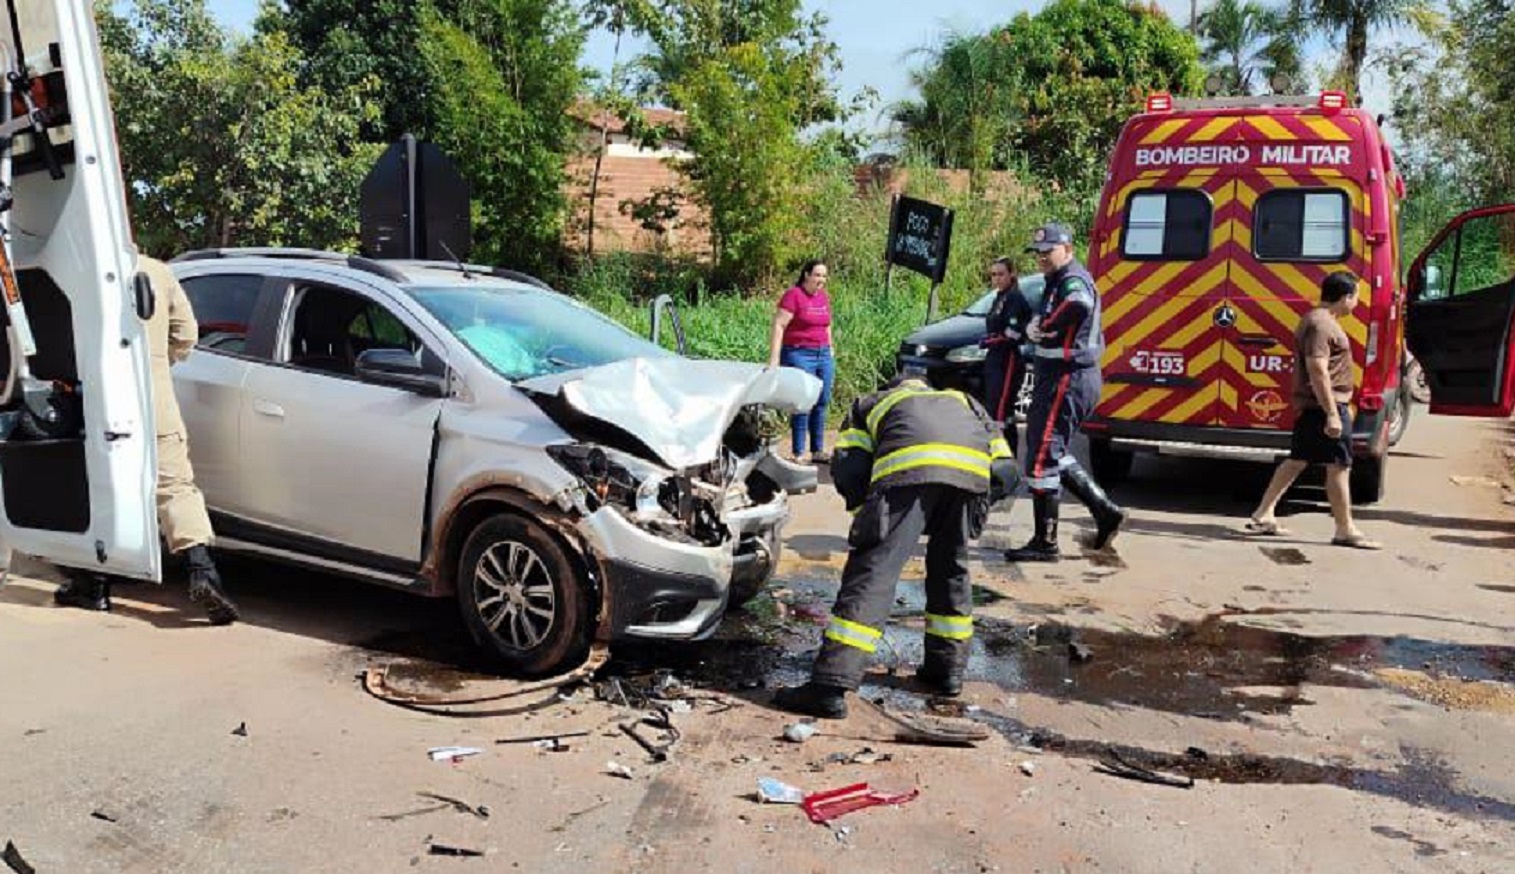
(1338, 710)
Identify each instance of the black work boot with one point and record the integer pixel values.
(84, 589)
(1108, 516)
(205, 587)
(946, 683)
(813, 699)
(1043, 544)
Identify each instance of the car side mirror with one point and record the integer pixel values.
(398, 368)
(144, 298)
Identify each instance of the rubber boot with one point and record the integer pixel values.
(205, 587)
(813, 699)
(945, 683)
(1043, 544)
(1108, 516)
(85, 590)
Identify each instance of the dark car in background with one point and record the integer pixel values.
(947, 351)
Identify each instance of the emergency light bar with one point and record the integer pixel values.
(1326, 101)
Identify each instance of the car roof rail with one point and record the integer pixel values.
(357, 262)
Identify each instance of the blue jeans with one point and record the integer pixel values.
(819, 364)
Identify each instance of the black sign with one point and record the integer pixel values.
(920, 236)
(414, 204)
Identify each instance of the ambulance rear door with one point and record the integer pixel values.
(1461, 321)
(77, 448)
(1160, 281)
(1295, 224)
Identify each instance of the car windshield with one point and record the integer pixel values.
(1031, 286)
(523, 333)
(981, 306)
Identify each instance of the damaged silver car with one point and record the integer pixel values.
(462, 432)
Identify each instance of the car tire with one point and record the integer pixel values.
(1399, 415)
(1366, 481)
(525, 603)
(1110, 465)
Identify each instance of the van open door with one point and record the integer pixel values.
(1461, 293)
(77, 448)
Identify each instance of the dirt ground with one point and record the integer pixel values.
(1337, 710)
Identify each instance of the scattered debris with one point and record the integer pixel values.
(744, 759)
(240, 731)
(864, 756)
(1114, 765)
(481, 811)
(841, 833)
(799, 732)
(1197, 754)
(444, 850)
(102, 815)
(552, 745)
(823, 807)
(12, 858)
(375, 683)
(1483, 481)
(616, 769)
(1028, 768)
(658, 752)
(563, 826)
(917, 728)
(538, 739)
(772, 791)
(454, 754)
(1079, 652)
(34, 731)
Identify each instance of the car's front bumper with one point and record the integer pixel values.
(662, 589)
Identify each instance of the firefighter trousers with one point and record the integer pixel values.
(883, 537)
(1004, 377)
(181, 507)
(1062, 397)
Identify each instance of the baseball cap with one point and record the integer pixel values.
(1049, 235)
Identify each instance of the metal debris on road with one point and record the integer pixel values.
(936, 731)
(240, 731)
(375, 683)
(823, 807)
(12, 859)
(480, 811)
(444, 850)
(538, 739)
(551, 745)
(864, 756)
(455, 754)
(772, 791)
(102, 815)
(1115, 766)
(799, 732)
(616, 769)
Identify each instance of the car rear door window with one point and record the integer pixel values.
(224, 304)
(1169, 225)
(1301, 225)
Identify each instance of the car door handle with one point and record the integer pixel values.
(268, 408)
(1256, 340)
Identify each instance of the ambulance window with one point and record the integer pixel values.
(1300, 225)
(1167, 226)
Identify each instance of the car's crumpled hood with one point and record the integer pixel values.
(679, 407)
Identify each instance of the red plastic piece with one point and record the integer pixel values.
(822, 807)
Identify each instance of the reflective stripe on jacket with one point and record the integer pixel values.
(915, 435)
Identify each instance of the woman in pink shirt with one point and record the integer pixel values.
(802, 338)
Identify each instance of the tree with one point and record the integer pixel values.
(1065, 81)
(969, 107)
(503, 76)
(1351, 21)
(1249, 45)
(749, 75)
(220, 146)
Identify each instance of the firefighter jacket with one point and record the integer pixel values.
(911, 434)
(1070, 319)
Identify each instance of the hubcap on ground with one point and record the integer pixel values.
(513, 592)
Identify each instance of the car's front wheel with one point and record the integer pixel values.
(523, 600)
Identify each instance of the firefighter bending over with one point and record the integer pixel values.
(910, 460)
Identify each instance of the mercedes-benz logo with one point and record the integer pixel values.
(1225, 317)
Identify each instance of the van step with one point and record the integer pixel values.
(1201, 450)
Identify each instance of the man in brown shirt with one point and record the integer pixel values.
(1322, 395)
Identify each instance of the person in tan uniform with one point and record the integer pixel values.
(171, 333)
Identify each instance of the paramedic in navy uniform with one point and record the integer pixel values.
(1069, 341)
(1005, 331)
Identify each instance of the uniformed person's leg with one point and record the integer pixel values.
(1044, 447)
(1108, 516)
(186, 527)
(883, 536)
(949, 594)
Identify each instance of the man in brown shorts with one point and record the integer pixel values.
(1322, 395)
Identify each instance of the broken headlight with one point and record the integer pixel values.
(647, 492)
